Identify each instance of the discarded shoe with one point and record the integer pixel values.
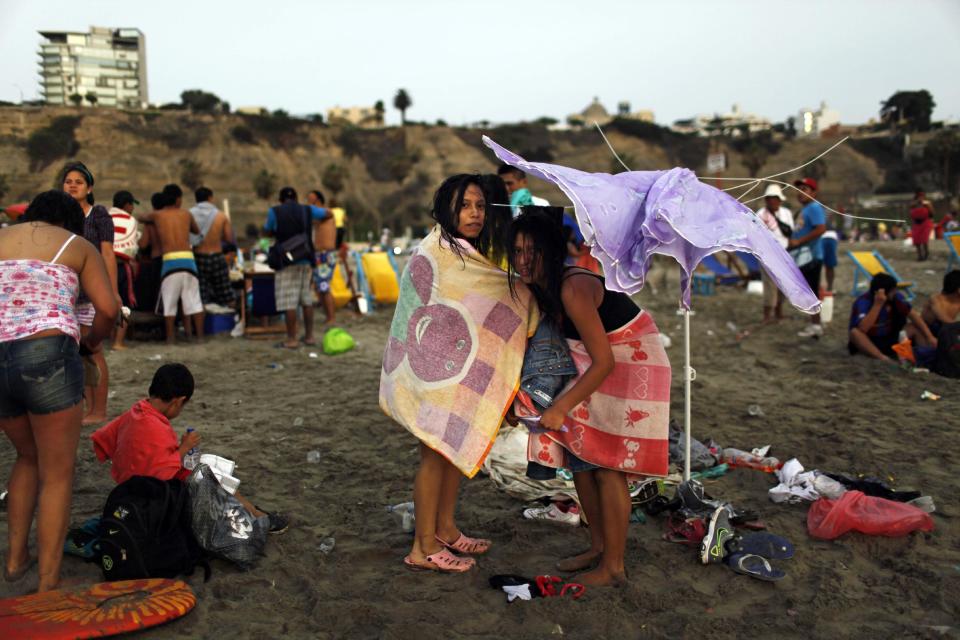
(713, 548)
(755, 567)
(554, 513)
(765, 545)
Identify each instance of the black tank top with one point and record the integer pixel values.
(615, 310)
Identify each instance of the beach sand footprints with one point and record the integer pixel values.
(438, 342)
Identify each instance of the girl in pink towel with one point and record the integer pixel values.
(616, 410)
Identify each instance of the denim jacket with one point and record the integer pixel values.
(547, 364)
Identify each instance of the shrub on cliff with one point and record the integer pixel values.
(55, 141)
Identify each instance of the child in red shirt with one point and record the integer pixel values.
(142, 442)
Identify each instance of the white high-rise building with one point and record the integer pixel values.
(812, 123)
(108, 63)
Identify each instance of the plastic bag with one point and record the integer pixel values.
(854, 511)
(220, 523)
(337, 341)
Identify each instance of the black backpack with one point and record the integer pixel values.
(947, 362)
(145, 531)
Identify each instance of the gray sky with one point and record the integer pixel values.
(465, 61)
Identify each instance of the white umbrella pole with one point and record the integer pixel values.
(688, 375)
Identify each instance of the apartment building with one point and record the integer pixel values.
(106, 62)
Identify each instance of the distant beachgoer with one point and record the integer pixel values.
(212, 268)
(830, 241)
(150, 258)
(293, 284)
(878, 316)
(611, 335)
(921, 216)
(944, 307)
(77, 181)
(179, 285)
(142, 442)
(43, 264)
(779, 220)
(325, 245)
(340, 220)
(516, 181)
(806, 246)
(125, 243)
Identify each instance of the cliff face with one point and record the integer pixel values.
(389, 174)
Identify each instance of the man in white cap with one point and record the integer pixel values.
(779, 220)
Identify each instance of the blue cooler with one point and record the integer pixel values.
(217, 323)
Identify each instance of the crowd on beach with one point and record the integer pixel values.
(503, 289)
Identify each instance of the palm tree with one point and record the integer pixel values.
(76, 99)
(92, 98)
(402, 102)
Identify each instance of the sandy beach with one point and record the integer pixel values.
(832, 411)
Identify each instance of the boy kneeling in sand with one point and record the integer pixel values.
(141, 442)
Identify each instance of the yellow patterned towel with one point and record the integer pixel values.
(453, 358)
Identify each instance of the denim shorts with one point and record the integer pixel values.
(40, 376)
(537, 471)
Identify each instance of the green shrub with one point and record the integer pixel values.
(55, 141)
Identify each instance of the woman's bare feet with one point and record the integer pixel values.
(601, 577)
(91, 419)
(579, 562)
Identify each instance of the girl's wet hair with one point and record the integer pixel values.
(498, 218)
(55, 207)
(447, 202)
(545, 232)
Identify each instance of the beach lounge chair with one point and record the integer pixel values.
(378, 277)
(953, 244)
(750, 261)
(722, 273)
(867, 264)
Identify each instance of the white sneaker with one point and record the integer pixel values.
(812, 331)
(553, 513)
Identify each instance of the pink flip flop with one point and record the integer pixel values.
(466, 544)
(442, 561)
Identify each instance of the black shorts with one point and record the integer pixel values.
(811, 273)
(341, 232)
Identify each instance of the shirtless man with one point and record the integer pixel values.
(943, 308)
(215, 287)
(178, 275)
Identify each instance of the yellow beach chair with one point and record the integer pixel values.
(867, 264)
(953, 244)
(380, 277)
(338, 287)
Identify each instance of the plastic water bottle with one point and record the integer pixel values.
(739, 458)
(192, 459)
(405, 514)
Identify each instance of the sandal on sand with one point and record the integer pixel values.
(765, 545)
(442, 561)
(754, 566)
(466, 544)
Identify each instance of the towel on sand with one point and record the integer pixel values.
(452, 362)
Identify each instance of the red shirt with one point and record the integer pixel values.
(140, 442)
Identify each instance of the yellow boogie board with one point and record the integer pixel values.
(95, 611)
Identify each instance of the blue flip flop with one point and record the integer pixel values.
(754, 566)
(763, 544)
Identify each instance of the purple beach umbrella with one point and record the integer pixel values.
(628, 217)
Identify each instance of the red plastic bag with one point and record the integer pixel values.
(854, 511)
